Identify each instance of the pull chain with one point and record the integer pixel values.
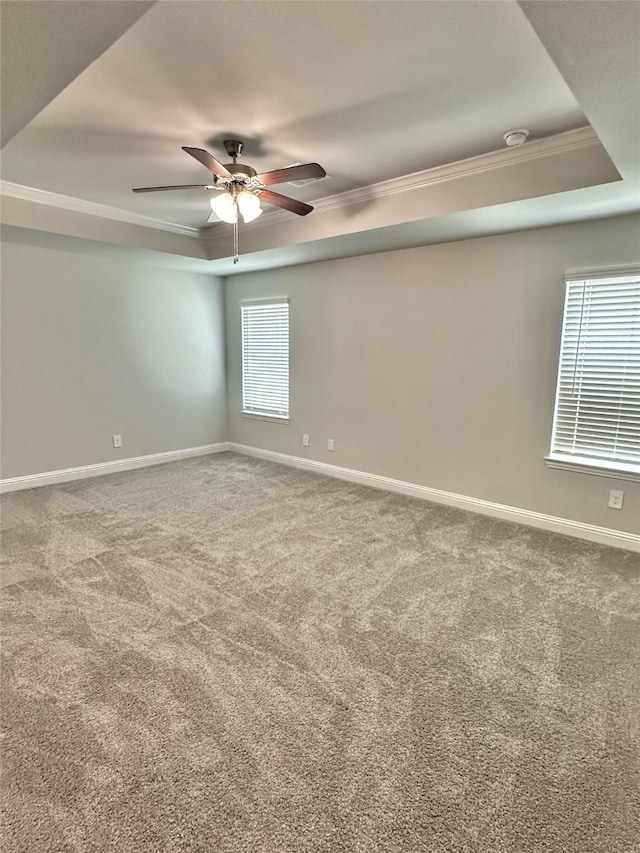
(236, 256)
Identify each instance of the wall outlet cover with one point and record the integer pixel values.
(616, 497)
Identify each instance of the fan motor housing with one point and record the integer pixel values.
(242, 171)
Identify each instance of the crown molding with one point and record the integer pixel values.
(535, 149)
(503, 158)
(91, 208)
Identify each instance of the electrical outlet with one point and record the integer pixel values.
(305, 440)
(117, 441)
(330, 444)
(615, 499)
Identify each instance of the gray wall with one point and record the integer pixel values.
(94, 345)
(437, 365)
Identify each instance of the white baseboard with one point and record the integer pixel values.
(31, 481)
(591, 532)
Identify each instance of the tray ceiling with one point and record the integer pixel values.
(375, 91)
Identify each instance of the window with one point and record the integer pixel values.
(596, 423)
(265, 358)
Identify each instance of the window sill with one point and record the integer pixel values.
(256, 416)
(599, 469)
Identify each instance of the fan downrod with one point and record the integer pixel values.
(234, 148)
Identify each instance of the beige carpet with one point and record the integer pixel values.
(228, 655)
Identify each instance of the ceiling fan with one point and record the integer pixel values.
(242, 188)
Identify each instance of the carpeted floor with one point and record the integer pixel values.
(231, 656)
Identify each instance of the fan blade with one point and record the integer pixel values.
(291, 204)
(179, 187)
(209, 161)
(292, 173)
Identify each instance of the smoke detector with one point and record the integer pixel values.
(516, 137)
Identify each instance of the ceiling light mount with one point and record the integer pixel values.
(513, 138)
(233, 147)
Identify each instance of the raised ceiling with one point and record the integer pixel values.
(403, 103)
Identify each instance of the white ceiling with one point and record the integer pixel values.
(375, 91)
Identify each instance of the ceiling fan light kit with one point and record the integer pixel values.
(227, 205)
(248, 205)
(242, 187)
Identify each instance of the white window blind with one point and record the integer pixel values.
(597, 413)
(265, 358)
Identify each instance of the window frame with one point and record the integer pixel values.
(616, 469)
(256, 413)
